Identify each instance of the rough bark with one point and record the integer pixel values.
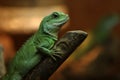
(63, 48)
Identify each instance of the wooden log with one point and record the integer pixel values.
(63, 48)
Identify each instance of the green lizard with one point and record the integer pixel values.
(43, 40)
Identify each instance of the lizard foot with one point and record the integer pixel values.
(57, 54)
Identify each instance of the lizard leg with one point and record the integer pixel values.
(47, 52)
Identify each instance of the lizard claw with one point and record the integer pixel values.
(55, 55)
(58, 54)
(52, 56)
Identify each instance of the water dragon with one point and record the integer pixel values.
(43, 40)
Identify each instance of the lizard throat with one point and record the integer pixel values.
(54, 36)
(47, 33)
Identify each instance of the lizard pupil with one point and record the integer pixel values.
(55, 15)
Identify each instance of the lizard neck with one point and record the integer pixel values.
(44, 32)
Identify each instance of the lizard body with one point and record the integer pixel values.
(43, 41)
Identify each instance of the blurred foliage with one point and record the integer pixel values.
(100, 33)
(105, 64)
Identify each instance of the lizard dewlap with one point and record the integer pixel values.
(39, 44)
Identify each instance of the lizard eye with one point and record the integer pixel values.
(55, 15)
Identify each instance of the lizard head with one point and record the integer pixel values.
(53, 22)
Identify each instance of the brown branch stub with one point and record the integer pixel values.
(63, 48)
(2, 62)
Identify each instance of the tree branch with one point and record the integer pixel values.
(63, 48)
(2, 64)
